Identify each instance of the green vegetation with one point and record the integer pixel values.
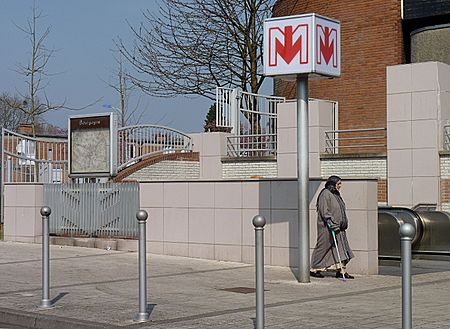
(210, 121)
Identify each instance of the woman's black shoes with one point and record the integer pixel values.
(316, 274)
(346, 275)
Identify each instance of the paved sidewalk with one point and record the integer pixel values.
(96, 288)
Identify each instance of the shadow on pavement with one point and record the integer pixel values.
(419, 266)
(58, 297)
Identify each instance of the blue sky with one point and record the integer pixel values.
(82, 32)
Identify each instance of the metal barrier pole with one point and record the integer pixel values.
(259, 222)
(143, 315)
(407, 232)
(45, 302)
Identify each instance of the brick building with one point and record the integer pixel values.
(374, 36)
(371, 39)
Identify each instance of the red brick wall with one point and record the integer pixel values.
(371, 39)
(382, 190)
(445, 190)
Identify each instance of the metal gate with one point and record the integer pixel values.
(93, 209)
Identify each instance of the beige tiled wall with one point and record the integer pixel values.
(212, 219)
(417, 108)
(23, 221)
(212, 147)
(320, 120)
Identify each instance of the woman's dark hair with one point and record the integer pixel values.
(332, 181)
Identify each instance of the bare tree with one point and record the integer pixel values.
(124, 89)
(48, 129)
(36, 74)
(192, 46)
(10, 117)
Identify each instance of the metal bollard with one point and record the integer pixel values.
(45, 302)
(259, 222)
(143, 315)
(407, 232)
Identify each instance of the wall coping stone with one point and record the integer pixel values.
(326, 156)
(249, 159)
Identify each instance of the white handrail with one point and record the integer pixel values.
(333, 141)
(247, 114)
(139, 141)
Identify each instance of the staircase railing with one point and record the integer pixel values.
(139, 141)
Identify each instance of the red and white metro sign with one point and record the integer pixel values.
(302, 44)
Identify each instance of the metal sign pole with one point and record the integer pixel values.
(299, 57)
(303, 178)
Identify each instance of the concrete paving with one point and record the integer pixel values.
(94, 288)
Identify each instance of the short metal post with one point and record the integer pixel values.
(45, 302)
(407, 232)
(143, 314)
(259, 222)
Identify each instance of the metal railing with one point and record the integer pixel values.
(257, 113)
(93, 209)
(226, 107)
(252, 145)
(251, 116)
(139, 141)
(357, 140)
(26, 159)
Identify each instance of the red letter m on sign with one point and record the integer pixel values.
(327, 44)
(290, 43)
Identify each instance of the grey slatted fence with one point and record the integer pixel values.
(93, 209)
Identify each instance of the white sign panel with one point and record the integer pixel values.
(93, 145)
(301, 45)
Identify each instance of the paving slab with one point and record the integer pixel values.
(94, 288)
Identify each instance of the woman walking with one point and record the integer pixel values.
(331, 216)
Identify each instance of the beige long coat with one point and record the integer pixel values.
(330, 206)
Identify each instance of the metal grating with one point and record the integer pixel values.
(93, 209)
